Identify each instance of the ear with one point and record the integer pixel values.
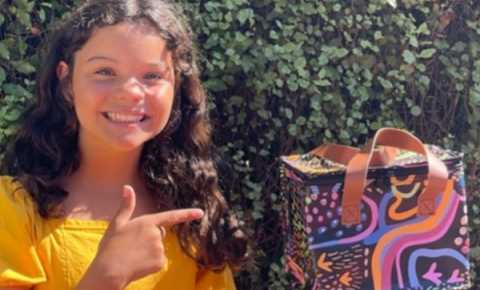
(62, 70)
(62, 73)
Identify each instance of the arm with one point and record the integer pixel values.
(98, 279)
(91, 282)
(20, 264)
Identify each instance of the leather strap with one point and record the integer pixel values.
(357, 169)
(338, 153)
(342, 154)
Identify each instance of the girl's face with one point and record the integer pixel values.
(122, 86)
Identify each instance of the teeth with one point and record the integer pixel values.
(124, 118)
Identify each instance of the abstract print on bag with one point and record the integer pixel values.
(392, 247)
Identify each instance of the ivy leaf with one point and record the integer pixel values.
(42, 15)
(413, 41)
(237, 100)
(4, 53)
(344, 135)
(427, 53)
(350, 122)
(16, 90)
(279, 83)
(385, 83)
(292, 130)
(24, 67)
(25, 5)
(425, 81)
(300, 63)
(423, 29)
(459, 46)
(3, 76)
(46, 4)
(416, 111)
(340, 52)
(392, 3)
(288, 113)
(24, 18)
(322, 83)
(409, 57)
(323, 59)
(301, 121)
(244, 15)
(475, 94)
(12, 116)
(216, 85)
(274, 34)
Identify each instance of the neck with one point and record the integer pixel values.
(104, 171)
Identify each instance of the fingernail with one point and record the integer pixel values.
(198, 212)
(125, 192)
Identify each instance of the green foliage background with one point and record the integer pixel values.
(286, 76)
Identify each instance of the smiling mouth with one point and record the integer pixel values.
(125, 117)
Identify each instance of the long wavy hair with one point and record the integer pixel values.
(178, 165)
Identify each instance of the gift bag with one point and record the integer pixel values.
(389, 216)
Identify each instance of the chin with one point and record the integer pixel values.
(127, 145)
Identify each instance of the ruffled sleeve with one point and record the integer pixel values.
(19, 261)
(210, 280)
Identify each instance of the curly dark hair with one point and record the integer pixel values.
(178, 165)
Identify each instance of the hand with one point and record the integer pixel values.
(133, 248)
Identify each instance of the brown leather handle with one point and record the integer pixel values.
(342, 154)
(357, 169)
(338, 153)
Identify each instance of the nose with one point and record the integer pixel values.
(132, 90)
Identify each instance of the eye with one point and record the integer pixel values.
(153, 76)
(108, 72)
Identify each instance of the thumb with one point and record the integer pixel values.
(127, 206)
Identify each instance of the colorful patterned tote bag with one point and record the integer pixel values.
(390, 216)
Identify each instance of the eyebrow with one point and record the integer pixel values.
(158, 64)
(100, 57)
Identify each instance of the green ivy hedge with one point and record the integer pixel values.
(285, 76)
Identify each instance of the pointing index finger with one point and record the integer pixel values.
(177, 216)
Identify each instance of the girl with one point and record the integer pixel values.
(113, 183)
